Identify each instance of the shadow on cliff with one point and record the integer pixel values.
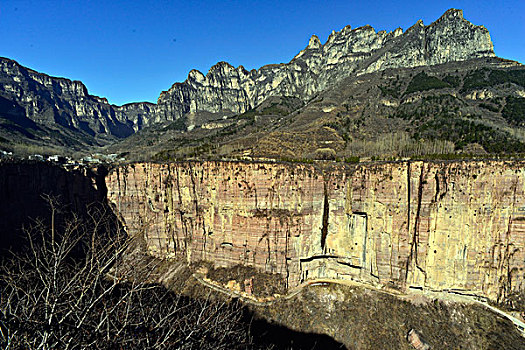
(24, 191)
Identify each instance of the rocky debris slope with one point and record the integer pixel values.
(362, 318)
(456, 225)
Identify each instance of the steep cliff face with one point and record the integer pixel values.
(361, 50)
(456, 225)
(25, 187)
(450, 38)
(53, 101)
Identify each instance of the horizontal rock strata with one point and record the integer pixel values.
(457, 225)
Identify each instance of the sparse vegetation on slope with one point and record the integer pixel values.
(485, 77)
(464, 132)
(383, 115)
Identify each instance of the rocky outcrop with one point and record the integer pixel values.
(458, 225)
(450, 38)
(318, 66)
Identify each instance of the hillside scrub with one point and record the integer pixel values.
(423, 82)
(65, 291)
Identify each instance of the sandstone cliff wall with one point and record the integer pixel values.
(457, 225)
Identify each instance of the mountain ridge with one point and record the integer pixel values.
(311, 70)
(66, 107)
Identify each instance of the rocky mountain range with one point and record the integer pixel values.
(345, 53)
(40, 110)
(38, 106)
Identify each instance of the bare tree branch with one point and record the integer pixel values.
(58, 294)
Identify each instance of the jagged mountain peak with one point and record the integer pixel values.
(314, 42)
(195, 75)
(348, 51)
(452, 13)
(226, 90)
(221, 66)
(348, 34)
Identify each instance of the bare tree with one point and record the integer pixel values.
(57, 294)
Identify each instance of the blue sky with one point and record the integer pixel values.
(130, 51)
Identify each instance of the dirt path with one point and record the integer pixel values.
(410, 295)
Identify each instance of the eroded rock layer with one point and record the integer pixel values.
(457, 225)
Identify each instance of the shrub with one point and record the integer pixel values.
(452, 80)
(325, 153)
(514, 110)
(489, 107)
(352, 159)
(423, 82)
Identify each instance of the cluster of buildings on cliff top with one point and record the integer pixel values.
(95, 158)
